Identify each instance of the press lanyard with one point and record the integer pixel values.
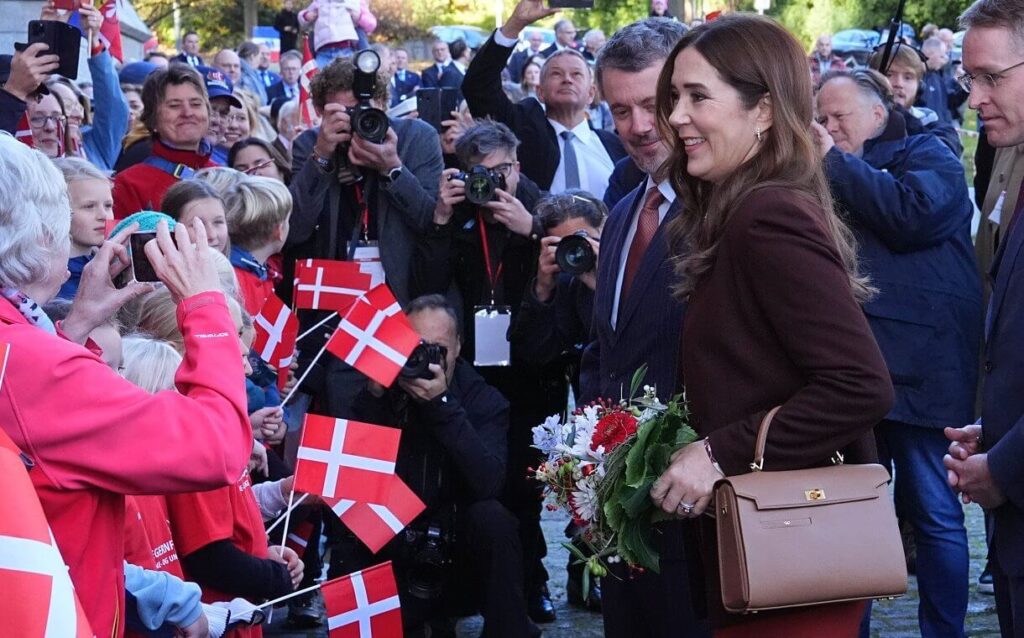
(492, 275)
(364, 209)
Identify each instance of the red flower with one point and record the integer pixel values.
(612, 430)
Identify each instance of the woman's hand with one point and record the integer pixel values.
(186, 269)
(686, 487)
(287, 557)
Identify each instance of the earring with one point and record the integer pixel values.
(757, 133)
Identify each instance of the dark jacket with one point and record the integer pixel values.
(402, 90)
(1002, 413)
(431, 77)
(276, 91)
(287, 25)
(906, 200)
(539, 152)
(517, 63)
(11, 110)
(626, 177)
(647, 330)
(920, 121)
(183, 58)
(941, 93)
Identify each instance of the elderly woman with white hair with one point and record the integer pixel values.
(66, 410)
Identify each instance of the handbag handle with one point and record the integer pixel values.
(762, 440)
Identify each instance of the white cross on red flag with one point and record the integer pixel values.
(276, 331)
(110, 30)
(364, 604)
(324, 284)
(377, 523)
(375, 337)
(309, 69)
(341, 458)
(38, 599)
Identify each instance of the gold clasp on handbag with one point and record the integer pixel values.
(816, 494)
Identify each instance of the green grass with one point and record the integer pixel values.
(970, 143)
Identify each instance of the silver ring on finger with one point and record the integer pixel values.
(685, 508)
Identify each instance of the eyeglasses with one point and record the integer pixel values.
(505, 169)
(39, 121)
(987, 80)
(257, 166)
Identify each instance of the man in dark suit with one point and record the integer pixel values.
(403, 82)
(636, 319)
(442, 58)
(986, 461)
(520, 59)
(287, 25)
(189, 50)
(455, 72)
(565, 38)
(559, 149)
(288, 86)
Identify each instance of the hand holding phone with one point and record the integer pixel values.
(142, 268)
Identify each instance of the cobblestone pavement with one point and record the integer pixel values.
(891, 619)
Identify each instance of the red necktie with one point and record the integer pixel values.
(646, 227)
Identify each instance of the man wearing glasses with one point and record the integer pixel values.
(985, 463)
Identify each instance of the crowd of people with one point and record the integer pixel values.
(760, 226)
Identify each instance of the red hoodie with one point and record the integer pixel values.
(95, 437)
(142, 187)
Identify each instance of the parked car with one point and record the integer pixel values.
(855, 44)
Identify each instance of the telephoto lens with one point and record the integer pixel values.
(575, 255)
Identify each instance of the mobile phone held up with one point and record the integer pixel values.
(67, 5)
(435, 105)
(62, 40)
(142, 269)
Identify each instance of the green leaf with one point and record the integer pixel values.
(586, 581)
(575, 551)
(637, 382)
(636, 467)
(635, 537)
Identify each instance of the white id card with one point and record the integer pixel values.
(491, 325)
(996, 216)
(367, 255)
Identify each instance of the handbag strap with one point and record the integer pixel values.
(762, 440)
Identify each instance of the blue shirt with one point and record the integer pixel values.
(70, 288)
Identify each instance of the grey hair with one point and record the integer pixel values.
(561, 23)
(291, 54)
(590, 35)
(76, 168)
(1005, 14)
(435, 302)
(482, 139)
(35, 213)
(286, 111)
(869, 82)
(933, 42)
(149, 363)
(561, 54)
(639, 46)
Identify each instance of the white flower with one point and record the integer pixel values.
(584, 499)
(548, 435)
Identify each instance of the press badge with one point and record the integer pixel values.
(996, 216)
(491, 325)
(367, 255)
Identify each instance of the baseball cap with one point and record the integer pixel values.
(135, 72)
(218, 85)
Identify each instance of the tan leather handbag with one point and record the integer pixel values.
(806, 537)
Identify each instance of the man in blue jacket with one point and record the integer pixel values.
(905, 197)
(986, 461)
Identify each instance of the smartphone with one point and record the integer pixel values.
(67, 5)
(435, 105)
(571, 4)
(142, 269)
(62, 40)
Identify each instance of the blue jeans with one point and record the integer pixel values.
(324, 56)
(925, 500)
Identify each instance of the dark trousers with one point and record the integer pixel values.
(1009, 599)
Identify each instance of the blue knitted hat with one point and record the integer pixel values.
(146, 219)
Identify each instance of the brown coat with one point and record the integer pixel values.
(776, 323)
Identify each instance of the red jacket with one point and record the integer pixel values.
(142, 187)
(95, 437)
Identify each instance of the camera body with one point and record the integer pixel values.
(418, 365)
(574, 254)
(426, 559)
(368, 122)
(481, 184)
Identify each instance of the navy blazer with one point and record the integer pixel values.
(907, 202)
(1002, 409)
(276, 90)
(431, 77)
(183, 58)
(650, 319)
(403, 90)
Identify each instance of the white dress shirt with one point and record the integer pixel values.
(670, 197)
(594, 163)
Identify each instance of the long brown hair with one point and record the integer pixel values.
(758, 58)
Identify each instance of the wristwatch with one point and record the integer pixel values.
(392, 176)
(325, 165)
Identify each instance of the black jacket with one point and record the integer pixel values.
(539, 152)
(287, 25)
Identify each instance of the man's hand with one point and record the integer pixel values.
(966, 441)
(290, 382)
(426, 389)
(589, 278)
(380, 157)
(258, 459)
(29, 69)
(268, 424)
(98, 298)
(547, 269)
(450, 193)
(822, 139)
(526, 13)
(510, 211)
(461, 122)
(335, 128)
(973, 480)
(287, 557)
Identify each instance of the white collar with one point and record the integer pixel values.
(581, 130)
(664, 186)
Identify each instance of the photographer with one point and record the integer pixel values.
(484, 240)
(452, 455)
(351, 193)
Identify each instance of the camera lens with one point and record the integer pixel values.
(371, 124)
(575, 255)
(479, 188)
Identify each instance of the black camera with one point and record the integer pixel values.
(418, 365)
(575, 255)
(481, 182)
(368, 122)
(429, 558)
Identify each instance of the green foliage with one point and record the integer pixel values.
(218, 22)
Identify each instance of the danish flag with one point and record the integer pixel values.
(324, 284)
(339, 458)
(309, 69)
(110, 30)
(377, 523)
(375, 337)
(298, 538)
(23, 132)
(364, 604)
(39, 600)
(276, 332)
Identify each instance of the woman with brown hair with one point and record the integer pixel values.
(769, 273)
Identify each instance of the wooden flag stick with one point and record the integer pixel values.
(318, 324)
(309, 368)
(281, 517)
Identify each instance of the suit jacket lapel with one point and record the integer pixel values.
(652, 261)
(1002, 266)
(613, 238)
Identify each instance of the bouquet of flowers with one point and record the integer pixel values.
(601, 463)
